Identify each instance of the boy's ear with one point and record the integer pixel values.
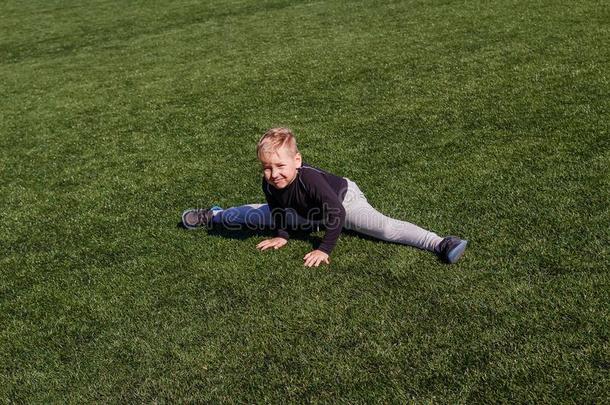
(298, 159)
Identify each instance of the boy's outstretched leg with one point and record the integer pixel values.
(252, 216)
(362, 217)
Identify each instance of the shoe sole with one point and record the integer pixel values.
(457, 252)
(187, 226)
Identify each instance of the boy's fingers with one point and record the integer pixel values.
(267, 244)
(311, 261)
(261, 245)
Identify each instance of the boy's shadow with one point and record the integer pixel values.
(243, 233)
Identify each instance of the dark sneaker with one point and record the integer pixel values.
(196, 218)
(451, 249)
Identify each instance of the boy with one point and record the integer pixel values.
(300, 195)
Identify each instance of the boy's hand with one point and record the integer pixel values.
(275, 243)
(316, 257)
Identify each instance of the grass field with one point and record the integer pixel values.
(484, 119)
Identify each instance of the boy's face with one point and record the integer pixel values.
(280, 167)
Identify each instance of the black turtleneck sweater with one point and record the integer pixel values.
(315, 195)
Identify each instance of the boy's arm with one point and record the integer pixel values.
(332, 210)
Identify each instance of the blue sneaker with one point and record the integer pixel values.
(451, 249)
(197, 218)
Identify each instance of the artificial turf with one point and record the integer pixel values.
(488, 120)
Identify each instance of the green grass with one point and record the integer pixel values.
(487, 120)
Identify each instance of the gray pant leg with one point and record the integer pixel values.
(360, 216)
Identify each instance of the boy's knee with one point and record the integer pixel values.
(377, 226)
(388, 232)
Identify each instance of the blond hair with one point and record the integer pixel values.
(277, 138)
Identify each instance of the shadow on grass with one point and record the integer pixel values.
(244, 233)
